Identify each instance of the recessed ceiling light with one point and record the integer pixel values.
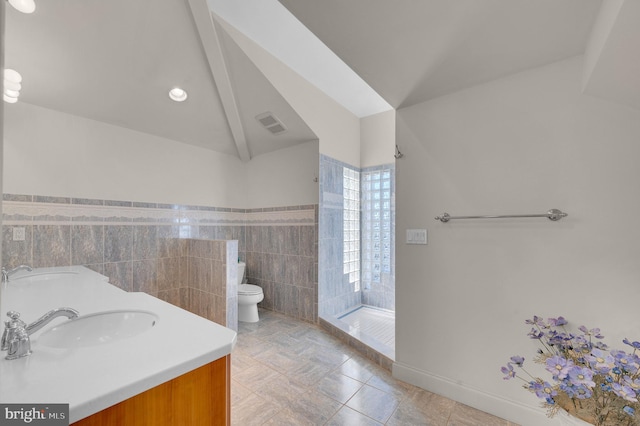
(24, 6)
(177, 94)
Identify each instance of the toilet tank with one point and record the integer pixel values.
(241, 268)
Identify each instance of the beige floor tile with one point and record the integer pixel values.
(254, 376)
(281, 390)
(253, 410)
(347, 416)
(374, 403)
(338, 386)
(286, 417)
(309, 373)
(314, 407)
(280, 360)
(357, 368)
(463, 415)
(238, 392)
(407, 414)
(384, 381)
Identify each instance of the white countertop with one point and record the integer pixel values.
(93, 378)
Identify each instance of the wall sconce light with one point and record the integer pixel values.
(12, 86)
(24, 6)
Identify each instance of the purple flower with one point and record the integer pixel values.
(537, 321)
(557, 322)
(569, 388)
(561, 340)
(535, 334)
(583, 392)
(634, 345)
(517, 360)
(581, 376)
(542, 390)
(630, 411)
(600, 361)
(508, 372)
(595, 332)
(559, 366)
(632, 383)
(628, 363)
(624, 392)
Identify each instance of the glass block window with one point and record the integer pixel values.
(351, 233)
(376, 225)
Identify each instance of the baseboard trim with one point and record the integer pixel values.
(498, 406)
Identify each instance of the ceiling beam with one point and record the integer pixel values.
(219, 70)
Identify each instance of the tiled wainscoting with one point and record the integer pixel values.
(185, 255)
(283, 261)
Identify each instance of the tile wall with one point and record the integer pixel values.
(177, 253)
(336, 294)
(283, 260)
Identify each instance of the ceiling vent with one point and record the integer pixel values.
(271, 123)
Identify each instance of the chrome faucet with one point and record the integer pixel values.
(6, 274)
(15, 338)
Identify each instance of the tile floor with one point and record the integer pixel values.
(288, 372)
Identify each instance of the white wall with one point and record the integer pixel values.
(284, 177)
(523, 144)
(338, 130)
(48, 152)
(377, 139)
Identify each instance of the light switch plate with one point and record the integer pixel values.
(18, 233)
(417, 236)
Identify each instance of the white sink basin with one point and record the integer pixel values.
(98, 329)
(41, 276)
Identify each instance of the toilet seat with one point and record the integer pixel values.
(249, 290)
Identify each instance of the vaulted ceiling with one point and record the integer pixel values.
(115, 61)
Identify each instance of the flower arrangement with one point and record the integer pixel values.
(590, 381)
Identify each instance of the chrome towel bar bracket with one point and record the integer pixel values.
(553, 214)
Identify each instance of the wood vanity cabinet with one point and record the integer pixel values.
(199, 397)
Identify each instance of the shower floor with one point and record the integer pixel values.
(378, 324)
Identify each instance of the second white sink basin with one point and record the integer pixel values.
(97, 329)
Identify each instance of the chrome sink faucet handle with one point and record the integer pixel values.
(15, 338)
(6, 274)
(11, 329)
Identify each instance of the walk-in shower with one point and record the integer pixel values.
(356, 271)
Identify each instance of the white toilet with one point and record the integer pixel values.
(249, 296)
